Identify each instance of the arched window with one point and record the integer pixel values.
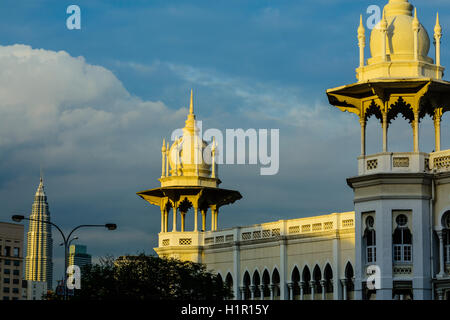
(317, 276)
(295, 278)
(370, 241)
(402, 241)
(266, 283)
(246, 283)
(219, 279)
(276, 282)
(306, 278)
(256, 282)
(328, 277)
(229, 281)
(349, 274)
(446, 226)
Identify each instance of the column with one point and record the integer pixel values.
(183, 215)
(324, 293)
(204, 219)
(174, 209)
(440, 293)
(216, 219)
(283, 266)
(236, 265)
(363, 136)
(252, 292)
(385, 129)
(195, 218)
(261, 289)
(242, 289)
(163, 215)
(416, 130)
(344, 289)
(272, 289)
(437, 128)
(213, 219)
(291, 290)
(302, 290)
(440, 234)
(166, 220)
(312, 283)
(337, 294)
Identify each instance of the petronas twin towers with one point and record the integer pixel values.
(39, 265)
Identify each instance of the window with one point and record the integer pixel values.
(7, 262)
(16, 272)
(5, 280)
(16, 263)
(7, 251)
(6, 290)
(402, 241)
(15, 281)
(447, 246)
(6, 271)
(370, 241)
(15, 290)
(16, 252)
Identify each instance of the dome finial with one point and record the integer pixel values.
(191, 106)
(438, 28)
(416, 23)
(361, 30)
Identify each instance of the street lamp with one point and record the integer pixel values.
(109, 226)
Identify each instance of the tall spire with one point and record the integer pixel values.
(191, 106)
(39, 265)
(40, 190)
(190, 121)
(437, 39)
(361, 41)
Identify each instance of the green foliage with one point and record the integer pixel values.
(148, 277)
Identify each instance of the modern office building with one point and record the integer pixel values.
(39, 265)
(395, 245)
(11, 261)
(78, 256)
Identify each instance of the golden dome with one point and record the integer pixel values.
(400, 35)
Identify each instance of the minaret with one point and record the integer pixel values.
(39, 265)
(189, 186)
(400, 198)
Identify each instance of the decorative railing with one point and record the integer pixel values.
(399, 270)
(271, 230)
(394, 162)
(440, 161)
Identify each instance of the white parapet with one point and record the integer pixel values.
(270, 230)
(440, 161)
(398, 162)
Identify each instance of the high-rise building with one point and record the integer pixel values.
(39, 265)
(78, 256)
(11, 260)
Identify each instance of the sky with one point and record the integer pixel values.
(92, 106)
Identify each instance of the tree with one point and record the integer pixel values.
(148, 277)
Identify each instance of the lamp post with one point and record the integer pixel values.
(66, 240)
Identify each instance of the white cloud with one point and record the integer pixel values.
(53, 99)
